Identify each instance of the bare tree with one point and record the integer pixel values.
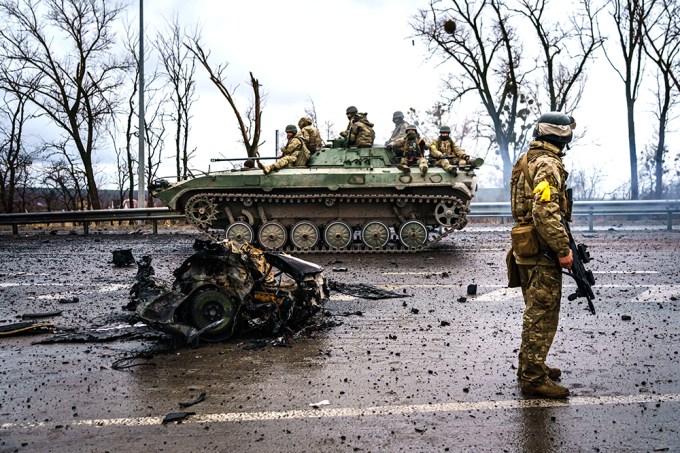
(663, 48)
(66, 178)
(477, 36)
(629, 17)
(80, 76)
(480, 38)
(586, 183)
(154, 130)
(15, 160)
(180, 68)
(567, 47)
(250, 126)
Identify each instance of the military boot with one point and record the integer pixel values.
(404, 168)
(423, 170)
(553, 373)
(263, 167)
(546, 389)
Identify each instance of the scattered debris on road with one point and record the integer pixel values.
(223, 289)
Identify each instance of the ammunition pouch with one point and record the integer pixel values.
(525, 241)
(514, 280)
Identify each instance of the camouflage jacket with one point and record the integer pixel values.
(447, 147)
(359, 132)
(312, 138)
(410, 148)
(398, 132)
(544, 163)
(296, 146)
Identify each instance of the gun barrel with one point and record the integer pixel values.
(237, 159)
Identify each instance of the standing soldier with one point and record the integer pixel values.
(539, 242)
(359, 131)
(411, 148)
(310, 135)
(295, 153)
(399, 127)
(444, 148)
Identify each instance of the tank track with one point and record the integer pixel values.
(206, 214)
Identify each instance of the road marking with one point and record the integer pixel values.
(437, 273)
(625, 272)
(374, 411)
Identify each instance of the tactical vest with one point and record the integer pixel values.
(414, 149)
(444, 146)
(522, 188)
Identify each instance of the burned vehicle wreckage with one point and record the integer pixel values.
(223, 289)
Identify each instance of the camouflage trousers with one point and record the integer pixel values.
(295, 159)
(542, 291)
(446, 163)
(422, 163)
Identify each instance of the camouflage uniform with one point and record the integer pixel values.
(310, 135)
(295, 154)
(359, 131)
(445, 147)
(411, 150)
(398, 132)
(540, 276)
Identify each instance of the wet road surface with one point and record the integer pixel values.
(431, 371)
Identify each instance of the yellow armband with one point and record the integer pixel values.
(544, 188)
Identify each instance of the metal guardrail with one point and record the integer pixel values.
(669, 208)
(86, 217)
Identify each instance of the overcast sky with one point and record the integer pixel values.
(350, 52)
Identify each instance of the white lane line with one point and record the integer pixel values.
(365, 411)
(437, 273)
(625, 272)
(10, 285)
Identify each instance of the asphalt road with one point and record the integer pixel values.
(429, 371)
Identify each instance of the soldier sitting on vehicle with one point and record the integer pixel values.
(411, 149)
(295, 153)
(310, 135)
(399, 127)
(359, 131)
(447, 152)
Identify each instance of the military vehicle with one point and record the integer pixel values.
(344, 200)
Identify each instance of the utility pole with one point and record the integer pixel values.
(141, 177)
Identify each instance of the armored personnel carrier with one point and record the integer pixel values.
(344, 200)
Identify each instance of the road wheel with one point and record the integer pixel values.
(272, 235)
(240, 233)
(413, 234)
(338, 235)
(375, 234)
(304, 235)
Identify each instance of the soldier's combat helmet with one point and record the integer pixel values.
(411, 127)
(445, 129)
(291, 128)
(555, 127)
(398, 115)
(351, 109)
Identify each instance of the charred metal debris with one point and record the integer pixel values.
(224, 289)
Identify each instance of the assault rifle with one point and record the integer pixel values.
(584, 278)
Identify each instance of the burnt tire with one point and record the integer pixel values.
(208, 306)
